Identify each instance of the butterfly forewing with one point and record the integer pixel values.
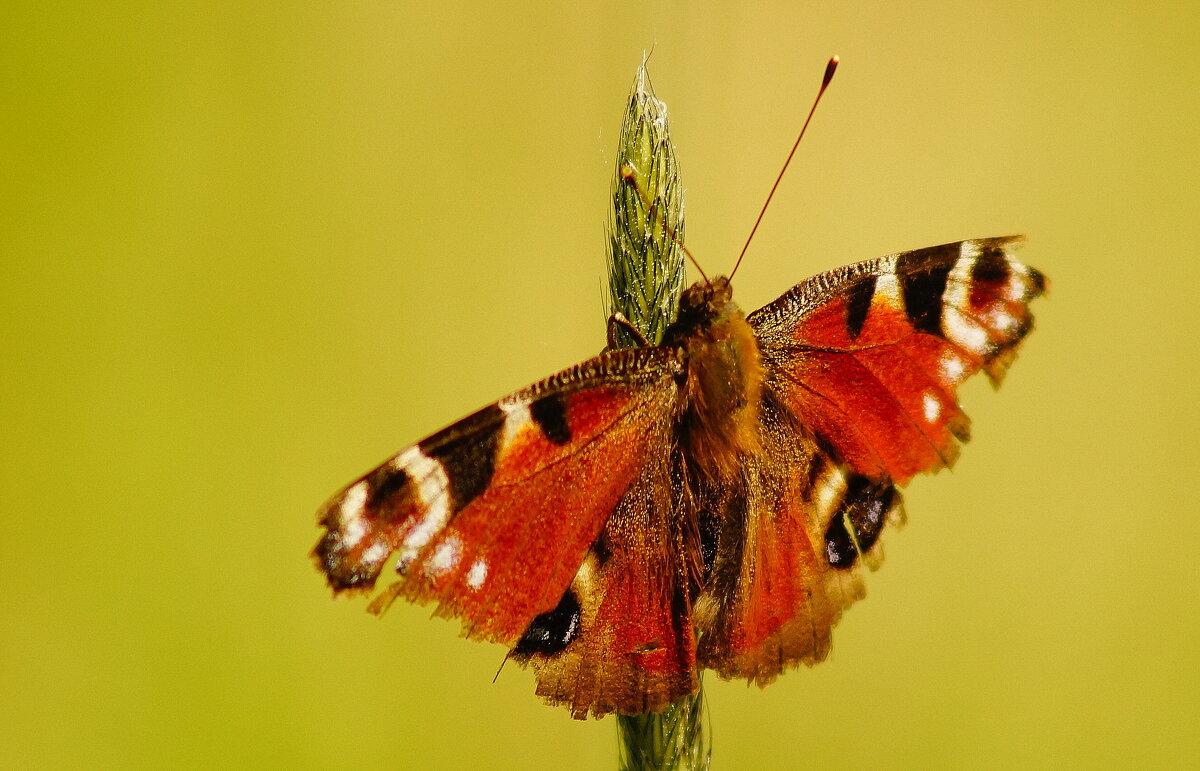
(868, 356)
(491, 518)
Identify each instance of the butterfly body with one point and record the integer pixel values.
(705, 503)
(723, 384)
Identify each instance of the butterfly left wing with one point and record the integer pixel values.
(621, 638)
(491, 518)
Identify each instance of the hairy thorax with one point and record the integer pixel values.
(724, 379)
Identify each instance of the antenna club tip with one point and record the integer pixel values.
(627, 172)
(830, 69)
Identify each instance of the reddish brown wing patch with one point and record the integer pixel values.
(492, 517)
(632, 649)
(789, 569)
(869, 356)
(766, 575)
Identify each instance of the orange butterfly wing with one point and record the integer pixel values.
(861, 368)
(783, 572)
(635, 650)
(869, 356)
(491, 518)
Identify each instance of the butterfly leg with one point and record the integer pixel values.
(618, 320)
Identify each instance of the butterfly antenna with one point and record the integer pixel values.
(629, 175)
(829, 70)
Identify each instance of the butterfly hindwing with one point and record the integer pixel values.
(491, 518)
(790, 567)
(632, 647)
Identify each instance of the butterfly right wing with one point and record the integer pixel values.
(773, 599)
(862, 364)
(869, 356)
(492, 517)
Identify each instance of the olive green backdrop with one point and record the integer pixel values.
(248, 252)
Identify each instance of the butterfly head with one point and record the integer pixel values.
(701, 306)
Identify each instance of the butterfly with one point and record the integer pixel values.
(706, 503)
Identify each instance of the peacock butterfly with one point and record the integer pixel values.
(704, 503)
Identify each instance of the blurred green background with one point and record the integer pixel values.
(247, 251)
